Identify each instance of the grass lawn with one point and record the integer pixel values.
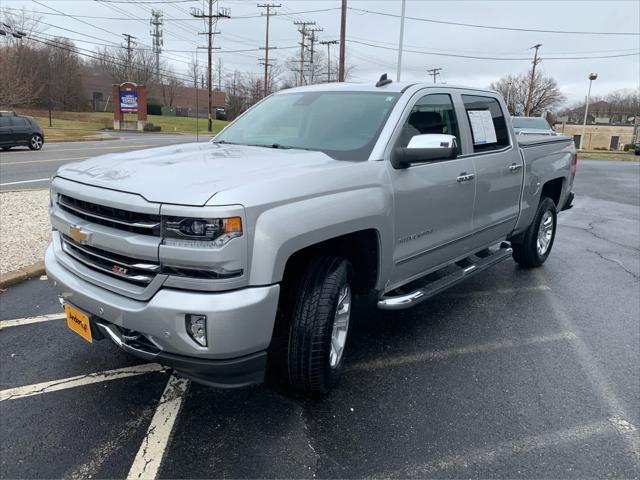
(70, 125)
(624, 156)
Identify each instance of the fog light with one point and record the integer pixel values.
(197, 328)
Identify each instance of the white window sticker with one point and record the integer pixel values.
(482, 127)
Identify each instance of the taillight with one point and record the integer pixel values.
(574, 167)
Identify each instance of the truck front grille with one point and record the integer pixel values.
(143, 223)
(125, 268)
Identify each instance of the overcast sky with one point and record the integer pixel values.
(370, 61)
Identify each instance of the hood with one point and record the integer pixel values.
(190, 174)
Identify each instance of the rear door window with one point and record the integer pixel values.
(487, 123)
(18, 121)
(5, 122)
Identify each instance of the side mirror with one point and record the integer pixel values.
(425, 148)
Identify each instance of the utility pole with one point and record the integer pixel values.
(312, 44)
(130, 44)
(268, 6)
(401, 41)
(212, 20)
(219, 69)
(328, 43)
(434, 72)
(343, 28)
(302, 28)
(536, 61)
(156, 35)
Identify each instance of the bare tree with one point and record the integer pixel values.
(546, 94)
(169, 86)
(64, 82)
(113, 62)
(195, 71)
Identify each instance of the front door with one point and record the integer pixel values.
(615, 141)
(499, 169)
(433, 204)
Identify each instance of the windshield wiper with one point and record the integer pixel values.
(280, 146)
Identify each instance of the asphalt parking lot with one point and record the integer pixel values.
(513, 374)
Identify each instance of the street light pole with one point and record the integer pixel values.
(592, 77)
(404, 4)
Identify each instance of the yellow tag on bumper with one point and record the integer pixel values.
(78, 322)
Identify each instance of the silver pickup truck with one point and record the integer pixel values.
(243, 255)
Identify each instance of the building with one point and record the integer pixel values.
(599, 137)
(97, 90)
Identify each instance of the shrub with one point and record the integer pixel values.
(150, 127)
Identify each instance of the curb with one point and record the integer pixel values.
(25, 273)
(73, 140)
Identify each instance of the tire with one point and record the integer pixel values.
(35, 142)
(6, 148)
(527, 251)
(319, 319)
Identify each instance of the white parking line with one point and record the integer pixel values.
(436, 355)
(80, 380)
(26, 321)
(24, 181)
(470, 459)
(592, 370)
(149, 457)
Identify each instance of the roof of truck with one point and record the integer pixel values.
(371, 87)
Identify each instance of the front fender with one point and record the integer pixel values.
(285, 229)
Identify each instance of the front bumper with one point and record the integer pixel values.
(239, 325)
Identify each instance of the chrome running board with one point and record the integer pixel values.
(466, 268)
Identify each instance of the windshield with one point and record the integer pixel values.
(530, 123)
(344, 125)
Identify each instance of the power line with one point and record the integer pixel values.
(492, 27)
(426, 52)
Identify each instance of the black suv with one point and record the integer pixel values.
(19, 130)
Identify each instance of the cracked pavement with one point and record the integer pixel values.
(512, 374)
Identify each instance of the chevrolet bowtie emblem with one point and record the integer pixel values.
(78, 235)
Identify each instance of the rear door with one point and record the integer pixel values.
(433, 206)
(498, 166)
(21, 129)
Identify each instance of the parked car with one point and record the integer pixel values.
(19, 130)
(531, 126)
(225, 259)
(636, 150)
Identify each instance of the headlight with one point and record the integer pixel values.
(205, 232)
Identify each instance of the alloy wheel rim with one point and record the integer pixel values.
(545, 233)
(340, 326)
(36, 142)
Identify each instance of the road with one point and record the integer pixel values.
(21, 168)
(513, 374)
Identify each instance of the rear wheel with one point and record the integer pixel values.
(532, 249)
(35, 142)
(319, 325)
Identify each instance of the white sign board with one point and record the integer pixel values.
(482, 127)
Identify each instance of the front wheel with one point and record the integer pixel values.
(533, 248)
(319, 325)
(35, 142)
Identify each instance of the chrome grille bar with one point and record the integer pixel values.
(111, 264)
(70, 204)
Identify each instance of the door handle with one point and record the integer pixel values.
(514, 167)
(464, 177)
